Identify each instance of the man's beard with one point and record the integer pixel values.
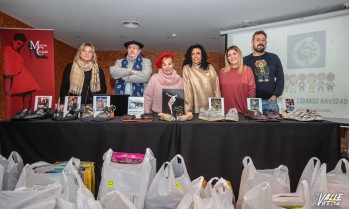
(260, 50)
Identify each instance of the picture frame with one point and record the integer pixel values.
(135, 106)
(289, 104)
(217, 103)
(254, 104)
(99, 103)
(44, 102)
(71, 103)
(173, 102)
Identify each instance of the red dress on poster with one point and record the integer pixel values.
(13, 65)
(19, 83)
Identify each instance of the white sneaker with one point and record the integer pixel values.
(210, 115)
(232, 115)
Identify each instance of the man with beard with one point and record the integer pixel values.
(269, 75)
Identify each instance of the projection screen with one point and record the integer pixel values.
(314, 52)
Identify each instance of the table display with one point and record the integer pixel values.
(209, 148)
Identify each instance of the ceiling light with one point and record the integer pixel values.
(131, 24)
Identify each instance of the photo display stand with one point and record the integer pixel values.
(254, 104)
(217, 103)
(44, 102)
(173, 102)
(135, 106)
(99, 103)
(71, 103)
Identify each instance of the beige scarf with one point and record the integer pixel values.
(77, 76)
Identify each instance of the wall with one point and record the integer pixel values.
(64, 54)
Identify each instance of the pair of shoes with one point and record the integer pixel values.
(307, 115)
(232, 115)
(210, 115)
(21, 114)
(106, 114)
(71, 115)
(88, 113)
(40, 113)
(166, 117)
(57, 115)
(186, 117)
(255, 115)
(274, 116)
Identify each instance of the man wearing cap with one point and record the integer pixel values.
(133, 72)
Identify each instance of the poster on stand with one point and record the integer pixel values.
(27, 67)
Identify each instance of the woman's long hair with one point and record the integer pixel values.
(82, 47)
(228, 66)
(187, 60)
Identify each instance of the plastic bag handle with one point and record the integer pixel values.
(338, 167)
(166, 167)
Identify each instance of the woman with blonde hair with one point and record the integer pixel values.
(236, 81)
(83, 77)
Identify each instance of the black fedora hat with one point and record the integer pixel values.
(133, 42)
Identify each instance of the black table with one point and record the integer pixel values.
(218, 148)
(53, 141)
(209, 148)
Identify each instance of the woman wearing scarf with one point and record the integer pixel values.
(83, 77)
(133, 72)
(166, 78)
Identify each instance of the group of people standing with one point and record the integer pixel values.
(259, 74)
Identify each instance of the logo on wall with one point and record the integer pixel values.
(39, 50)
(306, 50)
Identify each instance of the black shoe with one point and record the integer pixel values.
(20, 115)
(58, 115)
(106, 114)
(40, 114)
(71, 115)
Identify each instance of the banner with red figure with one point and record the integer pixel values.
(27, 67)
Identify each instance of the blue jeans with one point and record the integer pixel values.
(272, 105)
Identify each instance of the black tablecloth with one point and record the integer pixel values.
(218, 148)
(209, 148)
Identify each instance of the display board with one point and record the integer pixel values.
(314, 54)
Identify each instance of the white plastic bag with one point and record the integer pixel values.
(28, 177)
(259, 197)
(338, 182)
(315, 175)
(76, 196)
(215, 196)
(132, 180)
(195, 188)
(38, 196)
(3, 165)
(12, 171)
(116, 199)
(168, 186)
(278, 179)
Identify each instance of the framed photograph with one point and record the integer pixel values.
(71, 103)
(254, 104)
(217, 103)
(100, 102)
(289, 104)
(135, 106)
(173, 102)
(43, 102)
